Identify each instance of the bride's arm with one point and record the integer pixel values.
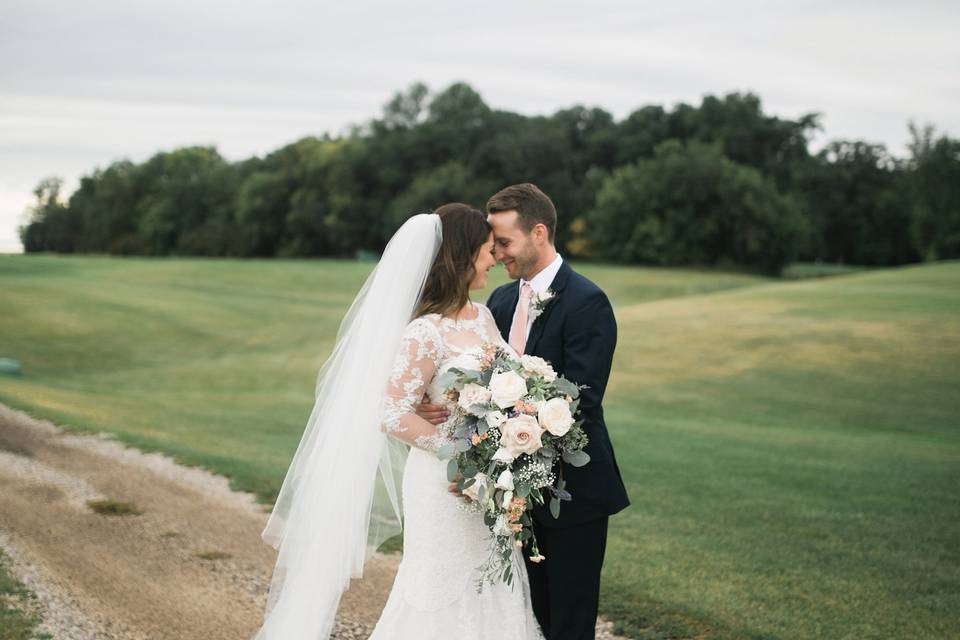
(415, 364)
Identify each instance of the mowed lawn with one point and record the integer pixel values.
(791, 448)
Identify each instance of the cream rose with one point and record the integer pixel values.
(506, 388)
(521, 435)
(538, 366)
(468, 361)
(472, 394)
(554, 416)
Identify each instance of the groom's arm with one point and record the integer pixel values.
(590, 337)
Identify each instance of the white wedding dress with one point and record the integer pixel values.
(434, 595)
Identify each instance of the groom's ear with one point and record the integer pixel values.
(540, 234)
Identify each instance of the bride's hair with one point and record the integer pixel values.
(447, 288)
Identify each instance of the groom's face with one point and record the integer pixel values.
(513, 247)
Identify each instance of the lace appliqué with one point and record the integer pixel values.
(421, 350)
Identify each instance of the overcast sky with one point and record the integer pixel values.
(86, 83)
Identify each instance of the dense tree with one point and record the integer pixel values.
(856, 206)
(690, 204)
(721, 182)
(934, 183)
(51, 226)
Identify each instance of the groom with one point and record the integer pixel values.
(576, 332)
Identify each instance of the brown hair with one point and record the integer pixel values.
(447, 288)
(533, 206)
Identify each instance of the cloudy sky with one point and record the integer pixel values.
(86, 83)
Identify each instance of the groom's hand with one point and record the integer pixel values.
(455, 491)
(432, 413)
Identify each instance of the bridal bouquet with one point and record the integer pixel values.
(514, 421)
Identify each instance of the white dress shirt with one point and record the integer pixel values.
(540, 283)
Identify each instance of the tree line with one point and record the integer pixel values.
(719, 184)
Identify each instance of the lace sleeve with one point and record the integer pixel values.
(416, 362)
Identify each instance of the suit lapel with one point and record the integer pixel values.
(558, 285)
(505, 316)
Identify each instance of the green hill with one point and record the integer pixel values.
(791, 448)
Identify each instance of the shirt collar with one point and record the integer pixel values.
(542, 281)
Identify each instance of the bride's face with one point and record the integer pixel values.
(482, 264)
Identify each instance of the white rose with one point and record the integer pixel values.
(495, 418)
(468, 361)
(472, 394)
(505, 480)
(503, 455)
(539, 366)
(507, 498)
(473, 491)
(554, 416)
(521, 435)
(506, 388)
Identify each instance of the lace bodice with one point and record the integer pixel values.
(433, 595)
(431, 344)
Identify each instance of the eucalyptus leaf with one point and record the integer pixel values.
(576, 458)
(555, 508)
(446, 451)
(522, 490)
(566, 387)
(452, 470)
(462, 446)
(447, 379)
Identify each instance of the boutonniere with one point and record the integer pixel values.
(539, 302)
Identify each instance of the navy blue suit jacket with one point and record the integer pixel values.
(577, 334)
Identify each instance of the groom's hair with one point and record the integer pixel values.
(533, 206)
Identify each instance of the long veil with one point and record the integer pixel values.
(334, 507)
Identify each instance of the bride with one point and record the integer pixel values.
(366, 461)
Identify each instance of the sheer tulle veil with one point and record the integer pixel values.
(340, 498)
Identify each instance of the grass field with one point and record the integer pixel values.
(792, 449)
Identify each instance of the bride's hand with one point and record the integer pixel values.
(432, 413)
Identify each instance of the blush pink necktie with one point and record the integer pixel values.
(518, 331)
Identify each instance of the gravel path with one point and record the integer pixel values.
(190, 566)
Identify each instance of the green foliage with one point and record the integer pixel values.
(764, 197)
(854, 198)
(691, 204)
(934, 185)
